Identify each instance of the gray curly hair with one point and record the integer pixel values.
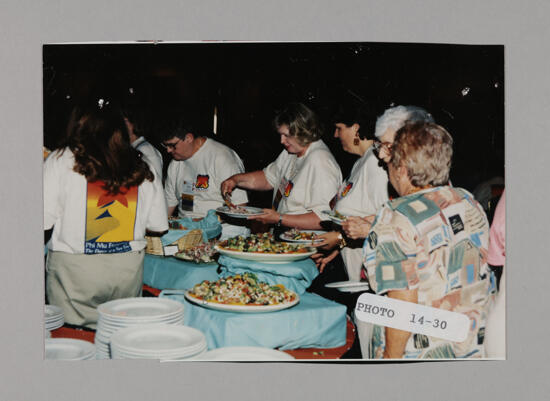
(396, 117)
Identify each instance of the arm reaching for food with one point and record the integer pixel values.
(254, 180)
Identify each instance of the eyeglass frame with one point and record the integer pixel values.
(170, 145)
(378, 145)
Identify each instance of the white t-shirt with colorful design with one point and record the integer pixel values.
(87, 220)
(304, 184)
(194, 184)
(361, 194)
(366, 188)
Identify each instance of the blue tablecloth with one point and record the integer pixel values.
(210, 226)
(296, 276)
(315, 322)
(167, 272)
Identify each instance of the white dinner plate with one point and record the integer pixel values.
(288, 238)
(349, 286)
(139, 308)
(52, 312)
(69, 349)
(266, 257)
(332, 216)
(158, 339)
(241, 308)
(249, 211)
(244, 354)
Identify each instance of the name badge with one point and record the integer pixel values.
(187, 197)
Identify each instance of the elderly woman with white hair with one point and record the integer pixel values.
(386, 126)
(429, 246)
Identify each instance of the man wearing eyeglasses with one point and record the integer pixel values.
(195, 174)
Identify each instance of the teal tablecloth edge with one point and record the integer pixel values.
(163, 272)
(315, 322)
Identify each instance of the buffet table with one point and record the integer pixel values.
(162, 272)
(315, 328)
(315, 322)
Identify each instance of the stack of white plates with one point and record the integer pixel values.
(160, 341)
(53, 317)
(69, 349)
(126, 312)
(244, 354)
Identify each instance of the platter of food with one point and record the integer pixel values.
(201, 254)
(241, 212)
(335, 216)
(242, 293)
(263, 248)
(301, 236)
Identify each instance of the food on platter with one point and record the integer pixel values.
(203, 253)
(242, 289)
(335, 216)
(176, 225)
(240, 211)
(261, 243)
(297, 235)
(338, 215)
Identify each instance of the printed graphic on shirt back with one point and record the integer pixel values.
(110, 219)
(202, 182)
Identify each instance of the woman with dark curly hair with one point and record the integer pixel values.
(99, 198)
(304, 177)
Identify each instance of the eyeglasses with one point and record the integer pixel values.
(170, 145)
(378, 145)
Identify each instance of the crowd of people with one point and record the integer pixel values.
(409, 233)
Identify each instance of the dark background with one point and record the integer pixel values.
(462, 86)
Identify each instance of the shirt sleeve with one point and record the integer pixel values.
(497, 235)
(153, 158)
(273, 170)
(390, 250)
(170, 185)
(52, 186)
(157, 218)
(324, 179)
(377, 183)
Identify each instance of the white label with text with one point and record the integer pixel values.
(408, 316)
(170, 250)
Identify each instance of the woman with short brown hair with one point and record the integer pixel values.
(429, 246)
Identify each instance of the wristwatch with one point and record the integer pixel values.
(342, 243)
(280, 220)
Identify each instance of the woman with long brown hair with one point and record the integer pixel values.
(99, 197)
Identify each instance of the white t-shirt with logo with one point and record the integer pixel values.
(366, 188)
(304, 184)
(361, 194)
(150, 154)
(194, 184)
(87, 220)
